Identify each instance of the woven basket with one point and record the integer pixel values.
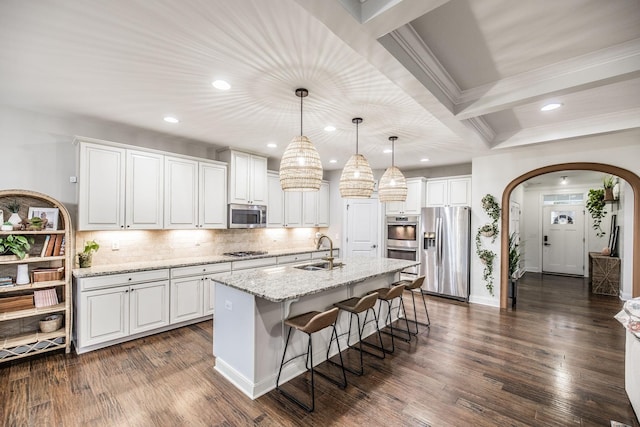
(51, 323)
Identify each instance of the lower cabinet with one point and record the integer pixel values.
(192, 294)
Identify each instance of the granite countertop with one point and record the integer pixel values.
(132, 267)
(284, 282)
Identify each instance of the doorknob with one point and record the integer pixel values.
(374, 246)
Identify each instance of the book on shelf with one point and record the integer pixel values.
(6, 282)
(50, 246)
(62, 246)
(44, 245)
(45, 298)
(57, 245)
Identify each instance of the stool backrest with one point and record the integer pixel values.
(366, 302)
(395, 292)
(416, 283)
(321, 321)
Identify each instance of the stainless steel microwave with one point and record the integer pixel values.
(247, 216)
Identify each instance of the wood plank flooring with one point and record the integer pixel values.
(556, 360)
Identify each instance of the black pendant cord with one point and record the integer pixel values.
(301, 98)
(356, 138)
(393, 149)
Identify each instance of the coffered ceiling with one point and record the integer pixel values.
(452, 79)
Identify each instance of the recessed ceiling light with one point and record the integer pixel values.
(171, 119)
(272, 145)
(330, 128)
(551, 106)
(333, 161)
(221, 84)
(387, 151)
(424, 160)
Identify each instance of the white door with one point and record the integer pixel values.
(362, 227)
(144, 195)
(149, 306)
(563, 239)
(212, 200)
(186, 299)
(104, 315)
(209, 299)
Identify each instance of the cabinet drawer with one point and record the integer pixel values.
(253, 263)
(196, 270)
(285, 259)
(122, 279)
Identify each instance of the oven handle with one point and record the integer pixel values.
(415, 224)
(402, 249)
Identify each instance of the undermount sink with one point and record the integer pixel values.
(318, 266)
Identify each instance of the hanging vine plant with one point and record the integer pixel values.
(492, 208)
(595, 206)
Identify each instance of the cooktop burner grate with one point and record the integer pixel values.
(245, 253)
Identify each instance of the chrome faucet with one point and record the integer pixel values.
(330, 257)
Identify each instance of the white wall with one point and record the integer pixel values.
(492, 173)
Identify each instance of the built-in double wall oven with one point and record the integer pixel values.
(402, 238)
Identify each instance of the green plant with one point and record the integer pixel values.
(90, 246)
(514, 254)
(608, 182)
(487, 257)
(491, 207)
(16, 244)
(595, 206)
(14, 207)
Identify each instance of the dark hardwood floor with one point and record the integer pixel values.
(556, 360)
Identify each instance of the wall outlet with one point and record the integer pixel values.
(115, 245)
(228, 305)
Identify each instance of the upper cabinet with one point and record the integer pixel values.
(119, 188)
(275, 195)
(414, 202)
(195, 194)
(297, 208)
(454, 191)
(247, 177)
(315, 207)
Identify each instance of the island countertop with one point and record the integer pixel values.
(285, 282)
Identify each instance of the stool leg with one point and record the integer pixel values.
(390, 323)
(415, 316)
(381, 347)
(284, 353)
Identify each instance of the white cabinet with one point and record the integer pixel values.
(117, 306)
(315, 207)
(414, 202)
(292, 209)
(192, 294)
(275, 207)
(247, 177)
(195, 194)
(455, 191)
(119, 188)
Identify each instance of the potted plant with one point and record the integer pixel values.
(85, 257)
(6, 226)
(14, 208)
(35, 224)
(16, 245)
(595, 206)
(514, 256)
(608, 183)
(487, 257)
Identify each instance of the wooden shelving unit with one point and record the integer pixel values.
(20, 336)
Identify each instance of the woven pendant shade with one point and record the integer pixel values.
(356, 181)
(393, 185)
(300, 166)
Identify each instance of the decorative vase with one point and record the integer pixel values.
(608, 194)
(22, 278)
(84, 260)
(487, 233)
(6, 227)
(15, 219)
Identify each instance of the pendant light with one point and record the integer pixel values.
(300, 167)
(393, 185)
(356, 181)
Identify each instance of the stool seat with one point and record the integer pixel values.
(358, 305)
(388, 295)
(313, 321)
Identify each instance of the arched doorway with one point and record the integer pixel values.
(630, 177)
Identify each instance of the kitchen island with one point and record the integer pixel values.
(250, 307)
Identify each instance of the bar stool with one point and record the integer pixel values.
(388, 295)
(411, 286)
(309, 323)
(354, 306)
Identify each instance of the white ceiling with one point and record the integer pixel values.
(453, 79)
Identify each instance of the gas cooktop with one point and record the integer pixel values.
(245, 253)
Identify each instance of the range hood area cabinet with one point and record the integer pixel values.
(296, 208)
(195, 195)
(119, 188)
(125, 188)
(452, 191)
(247, 177)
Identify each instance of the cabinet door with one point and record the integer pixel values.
(275, 210)
(209, 296)
(239, 176)
(323, 205)
(101, 187)
(144, 190)
(104, 315)
(309, 208)
(292, 209)
(213, 196)
(181, 193)
(415, 196)
(460, 192)
(258, 189)
(149, 306)
(186, 299)
(437, 192)
(394, 207)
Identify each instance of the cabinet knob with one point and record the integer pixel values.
(128, 226)
(129, 278)
(127, 291)
(122, 226)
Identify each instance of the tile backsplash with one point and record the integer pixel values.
(156, 245)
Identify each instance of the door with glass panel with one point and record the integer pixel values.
(563, 239)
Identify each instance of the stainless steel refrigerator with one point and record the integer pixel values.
(444, 251)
